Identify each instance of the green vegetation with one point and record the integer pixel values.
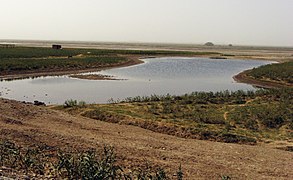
(73, 103)
(232, 117)
(42, 59)
(31, 52)
(224, 177)
(282, 72)
(13, 65)
(46, 161)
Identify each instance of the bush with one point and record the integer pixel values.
(81, 103)
(74, 103)
(70, 103)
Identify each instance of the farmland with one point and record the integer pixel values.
(32, 60)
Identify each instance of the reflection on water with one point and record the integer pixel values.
(160, 76)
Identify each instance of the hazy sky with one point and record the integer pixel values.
(243, 22)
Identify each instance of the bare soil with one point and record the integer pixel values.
(27, 124)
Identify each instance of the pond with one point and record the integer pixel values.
(173, 75)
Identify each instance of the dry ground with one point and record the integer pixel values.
(26, 124)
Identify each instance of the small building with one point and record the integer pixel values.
(55, 46)
(7, 45)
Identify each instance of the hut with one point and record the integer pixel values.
(56, 46)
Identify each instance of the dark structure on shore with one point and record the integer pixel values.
(56, 46)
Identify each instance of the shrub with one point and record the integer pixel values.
(70, 103)
(74, 164)
(81, 103)
(73, 103)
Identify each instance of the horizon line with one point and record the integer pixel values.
(145, 42)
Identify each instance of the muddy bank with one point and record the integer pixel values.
(95, 77)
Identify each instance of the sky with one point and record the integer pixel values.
(241, 22)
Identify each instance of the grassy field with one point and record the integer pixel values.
(20, 64)
(282, 72)
(37, 52)
(233, 117)
(22, 59)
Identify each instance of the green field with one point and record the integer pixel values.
(282, 72)
(36, 52)
(20, 64)
(27, 59)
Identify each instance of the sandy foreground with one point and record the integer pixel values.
(28, 124)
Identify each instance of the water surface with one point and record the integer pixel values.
(175, 76)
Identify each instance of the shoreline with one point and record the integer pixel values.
(132, 60)
(241, 77)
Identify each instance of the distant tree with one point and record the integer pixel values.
(209, 44)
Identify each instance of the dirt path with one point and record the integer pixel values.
(225, 115)
(28, 124)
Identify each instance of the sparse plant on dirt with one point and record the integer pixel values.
(225, 177)
(89, 164)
